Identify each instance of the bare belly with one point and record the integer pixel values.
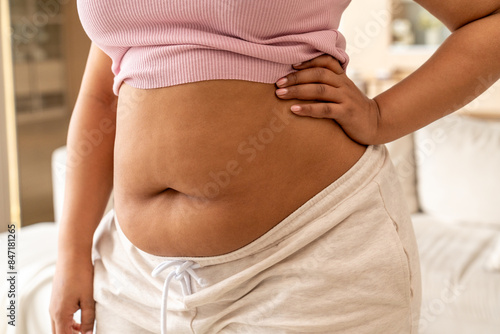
(202, 169)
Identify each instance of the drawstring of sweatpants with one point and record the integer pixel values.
(183, 273)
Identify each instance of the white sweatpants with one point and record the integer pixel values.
(344, 262)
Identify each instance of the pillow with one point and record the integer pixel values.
(402, 155)
(458, 170)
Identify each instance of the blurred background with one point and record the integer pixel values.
(49, 50)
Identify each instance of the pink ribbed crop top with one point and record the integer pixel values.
(160, 43)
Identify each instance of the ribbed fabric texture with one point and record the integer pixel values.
(164, 43)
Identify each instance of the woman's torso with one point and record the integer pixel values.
(205, 168)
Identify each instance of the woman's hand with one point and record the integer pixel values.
(72, 289)
(331, 94)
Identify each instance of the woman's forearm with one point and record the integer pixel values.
(465, 65)
(89, 174)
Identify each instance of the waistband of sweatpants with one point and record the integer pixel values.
(358, 176)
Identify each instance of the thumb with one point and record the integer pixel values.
(88, 316)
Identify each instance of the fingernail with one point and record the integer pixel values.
(281, 81)
(298, 64)
(282, 91)
(296, 108)
(89, 332)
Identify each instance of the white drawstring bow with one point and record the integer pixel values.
(182, 273)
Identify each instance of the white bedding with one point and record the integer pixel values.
(36, 257)
(461, 293)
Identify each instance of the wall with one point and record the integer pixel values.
(4, 166)
(77, 46)
(9, 192)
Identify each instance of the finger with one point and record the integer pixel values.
(88, 316)
(319, 110)
(61, 321)
(309, 75)
(318, 92)
(76, 326)
(324, 60)
(64, 325)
